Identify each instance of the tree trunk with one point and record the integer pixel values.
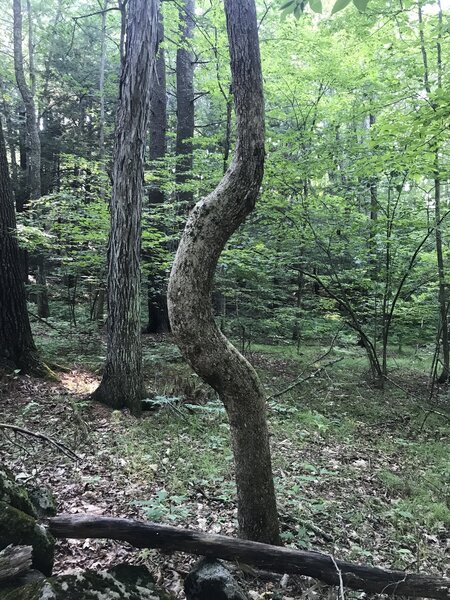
(158, 319)
(443, 301)
(211, 223)
(122, 382)
(101, 142)
(11, 143)
(33, 142)
(442, 286)
(17, 348)
(185, 108)
(43, 308)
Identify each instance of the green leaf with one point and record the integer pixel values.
(339, 5)
(298, 10)
(288, 4)
(361, 5)
(285, 13)
(316, 6)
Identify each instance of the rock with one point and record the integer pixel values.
(43, 502)
(124, 582)
(18, 528)
(18, 524)
(13, 493)
(210, 580)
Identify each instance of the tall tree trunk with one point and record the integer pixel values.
(101, 141)
(34, 143)
(33, 140)
(17, 349)
(11, 140)
(185, 107)
(122, 382)
(443, 300)
(444, 339)
(158, 319)
(213, 220)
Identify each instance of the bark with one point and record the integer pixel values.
(373, 191)
(443, 301)
(211, 223)
(101, 150)
(33, 141)
(43, 309)
(158, 114)
(98, 307)
(122, 382)
(185, 107)
(158, 319)
(272, 558)
(11, 142)
(17, 349)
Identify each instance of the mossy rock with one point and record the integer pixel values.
(19, 528)
(121, 583)
(43, 502)
(13, 493)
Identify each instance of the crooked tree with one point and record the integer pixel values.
(122, 381)
(211, 223)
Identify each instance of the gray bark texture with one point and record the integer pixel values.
(211, 223)
(158, 112)
(17, 349)
(33, 142)
(122, 382)
(185, 107)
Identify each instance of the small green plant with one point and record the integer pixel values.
(395, 484)
(164, 507)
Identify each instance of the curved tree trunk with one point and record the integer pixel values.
(17, 349)
(122, 382)
(211, 223)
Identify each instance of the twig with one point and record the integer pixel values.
(341, 582)
(299, 381)
(59, 445)
(38, 318)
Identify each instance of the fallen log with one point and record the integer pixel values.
(271, 558)
(14, 561)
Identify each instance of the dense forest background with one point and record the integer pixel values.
(335, 288)
(345, 235)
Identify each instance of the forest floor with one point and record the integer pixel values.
(361, 473)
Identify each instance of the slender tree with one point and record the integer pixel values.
(17, 349)
(122, 382)
(211, 223)
(156, 298)
(34, 143)
(185, 106)
(443, 332)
